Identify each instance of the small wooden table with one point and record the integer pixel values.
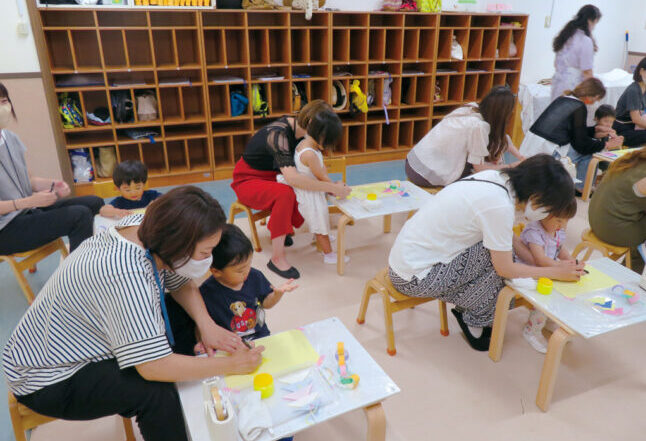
(574, 317)
(374, 387)
(610, 157)
(352, 209)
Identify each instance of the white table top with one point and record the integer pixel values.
(355, 209)
(374, 385)
(578, 314)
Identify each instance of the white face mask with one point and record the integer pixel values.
(5, 115)
(532, 214)
(194, 269)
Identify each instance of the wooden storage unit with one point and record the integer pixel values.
(194, 61)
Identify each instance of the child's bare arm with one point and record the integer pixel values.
(564, 255)
(111, 211)
(540, 259)
(311, 160)
(511, 148)
(273, 298)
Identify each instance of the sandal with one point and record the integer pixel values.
(478, 343)
(291, 273)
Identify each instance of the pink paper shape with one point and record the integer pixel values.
(616, 311)
(302, 392)
(320, 361)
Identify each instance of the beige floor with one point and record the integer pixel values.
(449, 392)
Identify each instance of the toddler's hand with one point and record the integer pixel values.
(199, 348)
(287, 287)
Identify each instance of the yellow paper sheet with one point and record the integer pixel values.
(590, 282)
(285, 352)
(380, 189)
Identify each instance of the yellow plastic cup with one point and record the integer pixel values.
(371, 197)
(264, 383)
(544, 286)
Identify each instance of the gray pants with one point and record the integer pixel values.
(469, 281)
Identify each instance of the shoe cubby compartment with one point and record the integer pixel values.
(177, 153)
(484, 85)
(259, 46)
(164, 48)
(377, 49)
(475, 43)
(386, 20)
(223, 151)
(470, 88)
(357, 138)
(424, 90)
(175, 77)
(236, 52)
(67, 19)
(319, 90)
(198, 154)
(260, 19)
(222, 128)
(273, 73)
(427, 44)
(519, 41)
(408, 90)
(441, 88)
(184, 131)
(484, 21)
(92, 100)
(341, 45)
(420, 129)
(72, 82)
(511, 21)
(220, 102)
(174, 19)
(75, 98)
(223, 20)
(373, 137)
(504, 42)
(444, 44)
(319, 50)
(300, 46)
(318, 20)
(351, 71)
(192, 103)
(119, 20)
(239, 145)
(129, 152)
(350, 20)
(383, 69)
(215, 48)
(489, 43)
(411, 44)
(393, 42)
(278, 46)
(114, 48)
(456, 87)
(155, 158)
(280, 98)
(189, 55)
(341, 146)
(390, 135)
(375, 93)
(86, 53)
(479, 66)
(358, 45)
(507, 66)
(420, 20)
(512, 80)
(449, 67)
(499, 79)
(130, 135)
(60, 51)
(454, 21)
(306, 73)
(405, 134)
(414, 113)
(462, 37)
(138, 46)
(79, 139)
(377, 116)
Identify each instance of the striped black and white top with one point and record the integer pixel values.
(101, 303)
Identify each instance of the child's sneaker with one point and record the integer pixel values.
(331, 258)
(532, 331)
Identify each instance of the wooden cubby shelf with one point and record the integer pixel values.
(194, 61)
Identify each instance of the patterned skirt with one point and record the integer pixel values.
(469, 281)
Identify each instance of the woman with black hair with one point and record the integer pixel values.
(458, 247)
(575, 48)
(631, 109)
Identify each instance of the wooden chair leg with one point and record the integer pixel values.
(254, 232)
(340, 243)
(500, 322)
(16, 419)
(127, 427)
(62, 248)
(555, 348)
(629, 263)
(232, 214)
(589, 178)
(368, 291)
(444, 322)
(388, 321)
(388, 223)
(376, 422)
(22, 281)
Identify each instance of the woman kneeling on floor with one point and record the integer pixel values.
(458, 247)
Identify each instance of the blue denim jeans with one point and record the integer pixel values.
(581, 163)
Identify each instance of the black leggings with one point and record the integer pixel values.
(71, 217)
(632, 137)
(102, 389)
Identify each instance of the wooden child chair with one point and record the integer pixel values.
(333, 165)
(24, 419)
(19, 262)
(590, 243)
(105, 189)
(394, 301)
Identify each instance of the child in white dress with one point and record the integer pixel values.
(313, 205)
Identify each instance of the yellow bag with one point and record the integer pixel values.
(429, 5)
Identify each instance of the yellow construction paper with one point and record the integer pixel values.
(380, 189)
(285, 352)
(593, 281)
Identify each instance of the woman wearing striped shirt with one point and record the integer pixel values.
(96, 341)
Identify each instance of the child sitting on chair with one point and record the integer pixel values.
(545, 239)
(235, 295)
(130, 179)
(322, 132)
(604, 117)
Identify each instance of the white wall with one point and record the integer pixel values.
(17, 53)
